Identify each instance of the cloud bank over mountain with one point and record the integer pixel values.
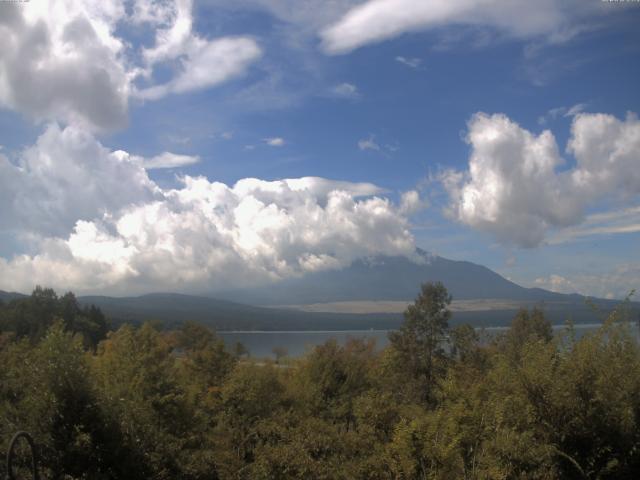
(97, 222)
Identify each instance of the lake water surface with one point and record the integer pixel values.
(261, 343)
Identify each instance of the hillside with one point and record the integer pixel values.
(8, 296)
(171, 308)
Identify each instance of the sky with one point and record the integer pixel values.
(196, 146)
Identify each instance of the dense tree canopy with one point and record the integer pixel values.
(32, 316)
(438, 403)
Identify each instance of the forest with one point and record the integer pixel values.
(144, 402)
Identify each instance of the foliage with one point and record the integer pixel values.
(438, 403)
(418, 345)
(32, 316)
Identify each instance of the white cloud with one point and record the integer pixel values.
(608, 154)
(66, 176)
(274, 141)
(615, 283)
(514, 188)
(410, 203)
(96, 222)
(207, 234)
(409, 62)
(378, 20)
(368, 144)
(65, 60)
(201, 62)
(168, 160)
(556, 283)
(346, 90)
(205, 63)
(321, 187)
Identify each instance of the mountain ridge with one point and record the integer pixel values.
(392, 278)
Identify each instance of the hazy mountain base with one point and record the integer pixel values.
(173, 309)
(399, 306)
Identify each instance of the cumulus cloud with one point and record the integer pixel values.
(97, 222)
(378, 20)
(208, 233)
(608, 153)
(68, 175)
(410, 203)
(65, 60)
(515, 189)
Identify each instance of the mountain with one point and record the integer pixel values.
(393, 278)
(382, 284)
(8, 296)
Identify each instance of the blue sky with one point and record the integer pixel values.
(436, 112)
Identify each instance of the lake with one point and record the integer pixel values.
(261, 343)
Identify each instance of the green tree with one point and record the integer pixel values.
(139, 389)
(205, 360)
(331, 377)
(419, 343)
(525, 327)
(32, 316)
(251, 395)
(47, 390)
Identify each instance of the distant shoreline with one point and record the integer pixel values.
(373, 330)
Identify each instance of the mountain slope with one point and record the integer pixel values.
(393, 278)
